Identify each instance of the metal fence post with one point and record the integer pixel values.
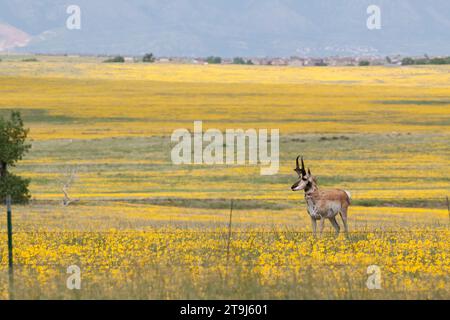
(10, 248)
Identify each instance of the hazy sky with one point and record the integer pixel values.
(226, 27)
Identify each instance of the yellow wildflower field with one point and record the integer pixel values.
(145, 228)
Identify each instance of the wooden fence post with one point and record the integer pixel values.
(10, 248)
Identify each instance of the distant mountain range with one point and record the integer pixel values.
(227, 27)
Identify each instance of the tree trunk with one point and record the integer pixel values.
(2, 169)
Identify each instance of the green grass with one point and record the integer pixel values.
(85, 154)
(415, 102)
(33, 116)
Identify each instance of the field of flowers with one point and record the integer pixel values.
(168, 263)
(145, 228)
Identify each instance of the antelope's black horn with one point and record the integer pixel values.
(303, 167)
(297, 168)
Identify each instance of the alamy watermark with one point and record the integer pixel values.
(374, 279)
(241, 147)
(73, 22)
(74, 280)
(374, 19)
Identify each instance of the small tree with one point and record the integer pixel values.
(321, 64)
(238, 60)
(117, 59)
(445, 60)
(214, 60)
(30, 60)
(13, 146)
(421, 61)
(408, 61)
(148, 57)
(364, 63)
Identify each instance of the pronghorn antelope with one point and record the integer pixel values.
(322, 204)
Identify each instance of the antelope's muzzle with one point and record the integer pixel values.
(295, 186)
(299, 185)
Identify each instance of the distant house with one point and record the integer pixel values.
(317, 62)
(279, 62)
(343, 61)
(163, 60)
(259, 61)
(297, 62)
(395, 60)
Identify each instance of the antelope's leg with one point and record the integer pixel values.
(343, 214)
(335, 225)
(314, 226)
(322, 223)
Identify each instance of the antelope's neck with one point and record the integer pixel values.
(310, 190)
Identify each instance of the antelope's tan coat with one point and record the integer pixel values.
(322, 204)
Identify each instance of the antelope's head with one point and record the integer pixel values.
(305, 179)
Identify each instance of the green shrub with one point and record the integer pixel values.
(149, 57)
(445, 60)
(239, 60)
(29, 60)
(408, 61)
(214, 60)
(364, 63)
(421, 61)
(425, 61)
(117, 59)
(16, 187)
